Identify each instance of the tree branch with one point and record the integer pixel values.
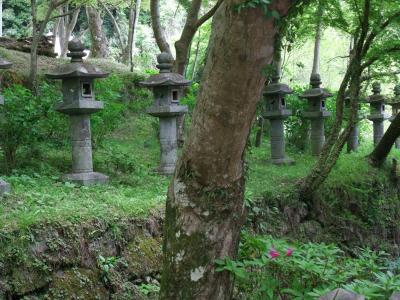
(374, 58)
(157, 28)
(209, 14)
(375, 33)
(66, 14)
(378, 75)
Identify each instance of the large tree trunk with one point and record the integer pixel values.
(381, 151)
(205, 205)
(99, 42)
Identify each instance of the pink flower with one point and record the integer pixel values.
(289, 252)
(274, 253)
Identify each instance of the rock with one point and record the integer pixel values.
(77, 283)
(143, 256)
(26, 280)
(312, 230)
(395, 296)
(341, 294)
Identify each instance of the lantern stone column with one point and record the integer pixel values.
(377, 112)
(79, 103)
(4, 186)
(395, 103)
(168, 89)
(316, 112)
(276, 112)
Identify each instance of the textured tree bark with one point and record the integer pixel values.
(381, 151)
(205, 206)
(99, 42)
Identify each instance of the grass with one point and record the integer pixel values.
(130, 156)
(135, 192)
(266, 179)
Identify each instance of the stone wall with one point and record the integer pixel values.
(89, 260)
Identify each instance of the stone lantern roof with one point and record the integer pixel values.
(376, 97)
(277, 88)
(165, 77)
(77, 68)
(4, 64)
(316, 92)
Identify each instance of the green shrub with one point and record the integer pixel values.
(190, 97)
(29, 122)
(27, 119)
(269, 268)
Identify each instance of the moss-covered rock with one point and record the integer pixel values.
(143, 256)
(76, 284)
(27, 279)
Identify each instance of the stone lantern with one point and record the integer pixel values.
(377, 111)
(276, 112)
(316, 111)
(395, 103)
(4, 186)
(79, 103)
(168, 89)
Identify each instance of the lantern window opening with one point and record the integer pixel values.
(87, 90)
(323, 103)
(175, 96)
(383, 107)
(283, 102)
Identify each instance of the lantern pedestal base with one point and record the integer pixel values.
(4, 187)
(90, 178)
(282, 161)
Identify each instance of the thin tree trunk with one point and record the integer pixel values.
(318, 37)
(99, 42)
(205, 205)
(1, 17)
(58, 33)
(37, 33)
(157, 28)
(196, 54)
(69, 23)
(117, 29)
(333, 146)
(133, 34)
(381, 151)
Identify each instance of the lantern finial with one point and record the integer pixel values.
(315, 81)
(376, 88)
(165, 61)
(76, 50)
